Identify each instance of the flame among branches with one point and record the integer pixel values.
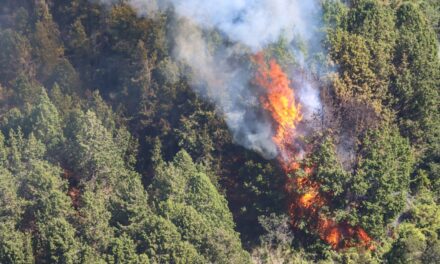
(306, 199)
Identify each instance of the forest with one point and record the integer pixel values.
(167, 131)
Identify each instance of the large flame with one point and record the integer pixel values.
(306, 199)
(280, 101)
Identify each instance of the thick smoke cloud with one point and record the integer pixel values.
(255, 23)
(250, 25)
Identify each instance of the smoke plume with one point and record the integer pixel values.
(246, 27)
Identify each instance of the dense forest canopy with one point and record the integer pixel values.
(161, 132)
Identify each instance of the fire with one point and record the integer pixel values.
(333, 237)
(280, 102)
(306, 200)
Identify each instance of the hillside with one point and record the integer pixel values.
(287, 131)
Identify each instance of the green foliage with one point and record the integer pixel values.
(45, 38)
(45, 121)
(181, 181)
(330, 173)
(416, 90)
(160, 239)
(416, 86)
(186, 196)
(15, 246)
(123, 250)
(352, 55)
(432, 254)
(375, 21)
(418, 234)
(10, 204)
(65, 76)
(94, 220)
(41, 120)
(385, 168)
(14, 55)
(57, 242)
(129, 203)
(432, 10)
(44, 190)
(375, 192)
(334, 14)
(88, 165)
(26, 90)
(353, 256)
(425, 214)
(196, 142)
(91, 149)
(409, 247)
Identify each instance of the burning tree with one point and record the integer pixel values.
(306, 199)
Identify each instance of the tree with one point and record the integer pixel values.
(416, 86)
(47, 48)
(91, 149)
(277, 231)
(77, 40)
(137, 82)
(182, 182)
(330, 172)
(11, 207)
(65, 75)
(414, 53)
(335, 14)
(129, 204)
(94, 220)
(41, 119)
(44, 191)
(357, 102)
(15, 246)
(382, 178)
(57, 242)
(123, 250)
(376, 23)
(26, 90)
(432, 253)
(15, 55)
(161, 241)
(186, 196)
(425, 214)
(45, 121)
(409, 247)
(63, 102)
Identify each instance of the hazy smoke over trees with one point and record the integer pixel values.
(218, 74)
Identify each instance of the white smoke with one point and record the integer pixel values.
(309, 98)
(214, 79)
(255, 23)
(251, 25)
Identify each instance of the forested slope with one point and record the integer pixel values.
(108, 154)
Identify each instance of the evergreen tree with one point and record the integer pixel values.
(15, 246)
(15, 55)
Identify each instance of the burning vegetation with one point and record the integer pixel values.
(142, 131)
(305, 197)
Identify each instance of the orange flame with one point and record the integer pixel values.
(305, 197)
(280, 102)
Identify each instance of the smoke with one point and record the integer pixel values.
(248, 26)
(228, 87)
(309, 98)
(254, 23)
(144, 7)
